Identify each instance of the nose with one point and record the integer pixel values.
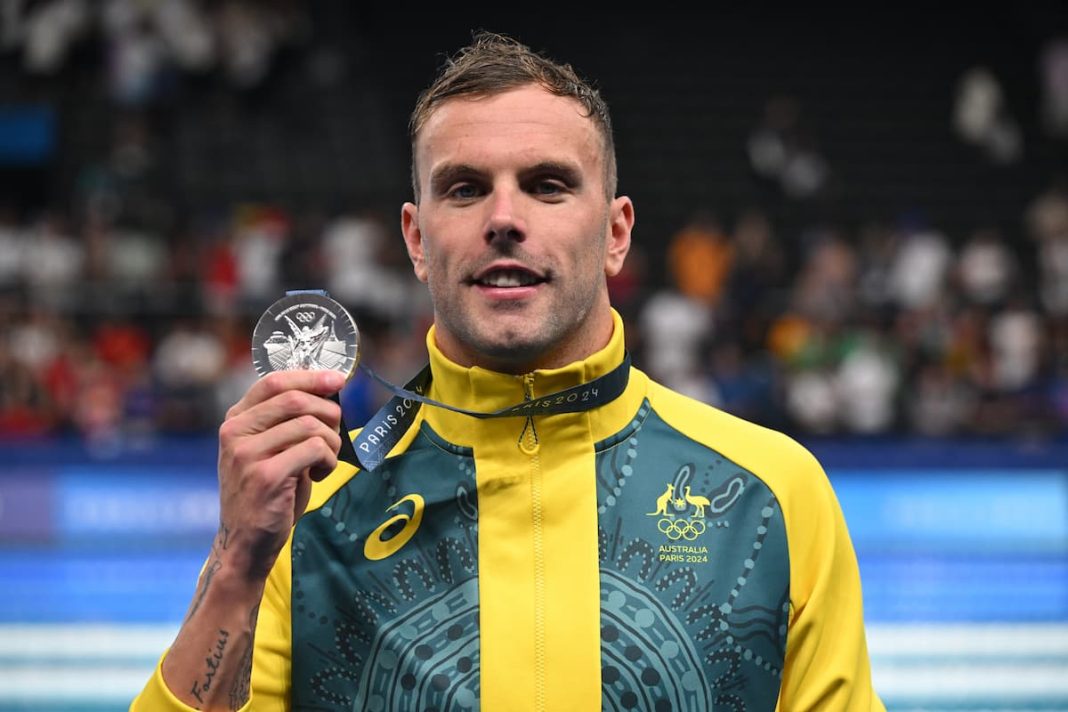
(505, 221)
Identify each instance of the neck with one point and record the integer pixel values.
(478, 388)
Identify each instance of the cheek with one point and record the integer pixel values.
(435, 267)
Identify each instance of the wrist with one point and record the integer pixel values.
(245, 561)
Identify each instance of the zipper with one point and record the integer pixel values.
(529, 444)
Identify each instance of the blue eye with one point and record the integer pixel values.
(548, 188)
(464, 191)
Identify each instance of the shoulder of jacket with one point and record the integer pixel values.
(774, 457)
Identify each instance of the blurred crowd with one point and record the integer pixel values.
(150, 42)
(119, 333)
(119, 322)
(115, 332)
(882, 329)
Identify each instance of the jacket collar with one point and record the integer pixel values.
(480, 389)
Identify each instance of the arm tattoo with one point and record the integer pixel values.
(239, 691)
(224, 536)
(213, 661)
(209, 573)
(222, 540)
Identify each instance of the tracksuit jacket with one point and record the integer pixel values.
(653, 553)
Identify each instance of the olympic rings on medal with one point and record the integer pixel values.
(688, 529)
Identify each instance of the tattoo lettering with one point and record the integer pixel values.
(239, 691)
(213, 661)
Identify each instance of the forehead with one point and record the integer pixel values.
(522, 126)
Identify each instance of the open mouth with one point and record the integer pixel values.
(508, 278)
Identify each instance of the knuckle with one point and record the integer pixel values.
(274, 383)
(329, 455)
(240, 455)
(227, 431)
(291, 401)
(309, 424)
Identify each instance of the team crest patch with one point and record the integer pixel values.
(682, 516)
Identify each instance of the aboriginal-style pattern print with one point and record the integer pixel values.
(694, 581)
(694, 576)
(383, 620)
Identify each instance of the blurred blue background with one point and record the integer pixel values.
(963, 551)
(851, 226)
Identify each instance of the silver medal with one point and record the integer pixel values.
(306, 330)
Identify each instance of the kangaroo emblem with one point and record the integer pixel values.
(662, 502)
(699, 503)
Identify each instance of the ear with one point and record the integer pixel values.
(621, 222)
(413, 239)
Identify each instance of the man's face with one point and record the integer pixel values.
(513, 233)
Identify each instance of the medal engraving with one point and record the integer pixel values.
(305, 330)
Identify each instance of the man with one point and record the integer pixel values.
(645, 552)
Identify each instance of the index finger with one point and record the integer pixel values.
(321, 383)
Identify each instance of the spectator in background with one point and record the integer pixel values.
(758, 273)
(938, 403)
(47, 31)
(826, 288)
(678, 319)
(1053, 87)
(54, 261)
(260, 236)
(699, 257)
(354, 245)
(135, 260)
(876, 249)
(1016, 347)
(986, 268)
(783, 152)
(236, 373)
(98, 404)
(1046, 220)
(920, 266)
(866, 385)
(12, 249)
(137, 56)
(981, 116)
(249, 33)
(188, 363)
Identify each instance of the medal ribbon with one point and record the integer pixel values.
(388, 425)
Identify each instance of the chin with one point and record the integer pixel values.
(512, 353)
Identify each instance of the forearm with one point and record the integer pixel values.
(209, 666)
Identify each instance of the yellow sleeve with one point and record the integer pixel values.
(827, 665)
(271, 663)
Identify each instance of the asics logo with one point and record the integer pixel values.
(376, 547)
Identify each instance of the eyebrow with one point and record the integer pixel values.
(567, 172)
(444, 176)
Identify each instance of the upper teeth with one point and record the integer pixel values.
(508, 278)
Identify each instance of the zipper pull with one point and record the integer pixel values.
(528, 443)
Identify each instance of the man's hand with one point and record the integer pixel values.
(278, 438)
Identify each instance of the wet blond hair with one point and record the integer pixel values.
(493, 64)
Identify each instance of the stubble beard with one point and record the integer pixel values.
(517, 342)
(539, 339)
